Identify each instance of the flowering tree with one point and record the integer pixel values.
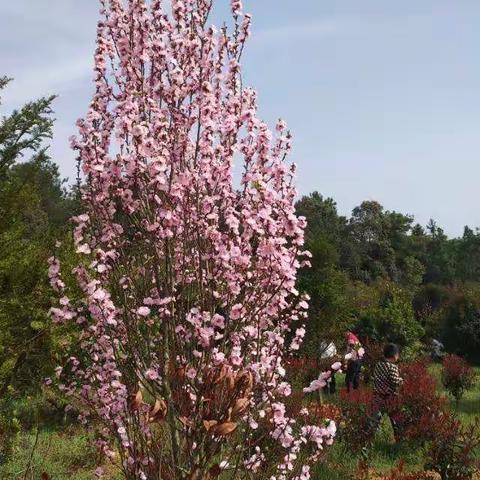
(185, 288)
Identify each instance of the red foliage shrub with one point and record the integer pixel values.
(457, 376)
(301, 370)
(296, 364)
(356, 421)
(452, 452)
(418, 407)
(322, 411)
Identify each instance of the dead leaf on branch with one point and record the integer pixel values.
(240, 406)
(244, 382)
(224, 428)
(159, 411)
(208, 424)
(221, 375)
(186, 421)
(138, 400)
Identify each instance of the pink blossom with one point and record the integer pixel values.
(143, 311)
(337, 366)
(84, 248)
(151, 374)
(236, 311)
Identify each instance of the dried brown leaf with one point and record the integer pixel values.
(137, 400)
(208, 424)
(224, 428)
(240, 406)
(159, 410)
(186, 421)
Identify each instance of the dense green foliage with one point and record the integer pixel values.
(34, 209)
(388, 278)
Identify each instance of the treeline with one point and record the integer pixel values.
(35, 206)
(387, 277)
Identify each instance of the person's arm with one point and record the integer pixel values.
(395, 379)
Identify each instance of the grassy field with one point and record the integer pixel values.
(469, 407)
(69, 454)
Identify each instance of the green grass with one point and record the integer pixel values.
(469, 406)
(64, 455)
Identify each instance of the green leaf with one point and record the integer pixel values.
(37, 325)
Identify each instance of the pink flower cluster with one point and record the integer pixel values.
(324, 378)
(356, 353)
(187, 274)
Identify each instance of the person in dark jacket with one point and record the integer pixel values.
(353, 367)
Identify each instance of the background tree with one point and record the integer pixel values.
(24, 130)
(326, 238)
(388, 278)
(34, 206)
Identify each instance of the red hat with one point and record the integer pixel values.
(352, 338)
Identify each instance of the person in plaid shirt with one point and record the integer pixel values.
(386, 384)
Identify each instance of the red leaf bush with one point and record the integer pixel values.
(325, 411)
(356, 422)
(453, 451)
(418, 406)
(457, 376)
(417, 409)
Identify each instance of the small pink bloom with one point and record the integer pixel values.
(337, 366)
(143, 311)
(151, 374)
(236, 311)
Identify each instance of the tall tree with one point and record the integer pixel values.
(468, 256)
(369, 229)
(328, 240)
(24, 130)
(188, 283)
(440, 258)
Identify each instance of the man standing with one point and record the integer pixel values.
(386, 383)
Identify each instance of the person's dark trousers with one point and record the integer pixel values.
(352, 377)
(331, 386)
(380, 408)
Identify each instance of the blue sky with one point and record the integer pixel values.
(382, 96)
